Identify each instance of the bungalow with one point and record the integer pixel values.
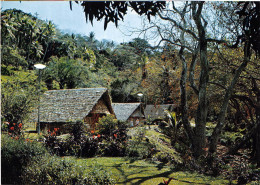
(157, 112)
(58, 107)
(129, 112)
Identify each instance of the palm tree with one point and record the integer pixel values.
(91, 41)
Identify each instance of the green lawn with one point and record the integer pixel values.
(127, 171)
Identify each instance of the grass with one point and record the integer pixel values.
(156, 137)
(130, 171)
(161, 141)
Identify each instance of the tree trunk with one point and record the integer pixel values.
(257, 112)
(184, 115)
(202, 110)
(221, 117)
(184, 110)
(257, 138)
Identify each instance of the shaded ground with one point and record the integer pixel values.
(128, 171)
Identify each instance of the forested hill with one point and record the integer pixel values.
(79, 61)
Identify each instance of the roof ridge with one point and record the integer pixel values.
(77, 89)
(127, 103)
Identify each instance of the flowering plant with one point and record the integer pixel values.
(14, 130)
(51, 138)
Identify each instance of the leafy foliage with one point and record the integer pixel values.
(107, 125)
(18, 97)
(67, 72)
(27, 38)
(115, 11)
(14, 129)
(49, 170)
(16, 153)
(139, 146)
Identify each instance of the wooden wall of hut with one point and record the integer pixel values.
(92, 119)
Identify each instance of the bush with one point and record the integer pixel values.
(113, 148)
(78, 132)
(56, 170)
(163, 157)
(107, 124)
(107, 141)
(113, 136)
(51, 141)
(90, 147)
(17, 97)
(4, 126)
(13, 129)
(15, 155)
(73, 145)
(139, 146)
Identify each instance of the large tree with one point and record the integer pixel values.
(197, 31)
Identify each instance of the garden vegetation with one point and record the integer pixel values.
(206, 64)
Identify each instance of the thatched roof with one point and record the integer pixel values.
(70, 104)
(124, 111)
(157, 111)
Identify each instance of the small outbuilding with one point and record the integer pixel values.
(132, 113)
(58, 107)
(153, 112)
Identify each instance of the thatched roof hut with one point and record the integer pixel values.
(157, 111)
(63, 106)
(128, 111)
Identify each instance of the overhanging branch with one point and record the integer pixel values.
(179, 26)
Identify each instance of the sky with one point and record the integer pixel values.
(74, 21)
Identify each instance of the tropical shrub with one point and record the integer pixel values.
(106, 125)
(113, 135)
(90, 147)
(15, 155)
(51, 141)
(163, 157)
(14, 129)
(78, 132)
(113, 147)
(78, 143)
(139, 146)
(74, 143)
(107, 141)
(56, 170)
(18, 96)
(4, 126)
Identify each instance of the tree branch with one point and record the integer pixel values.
(173, 43)
(243, 141)
(218, 84)
(179, 26)
(191, 71)
(244, 98)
